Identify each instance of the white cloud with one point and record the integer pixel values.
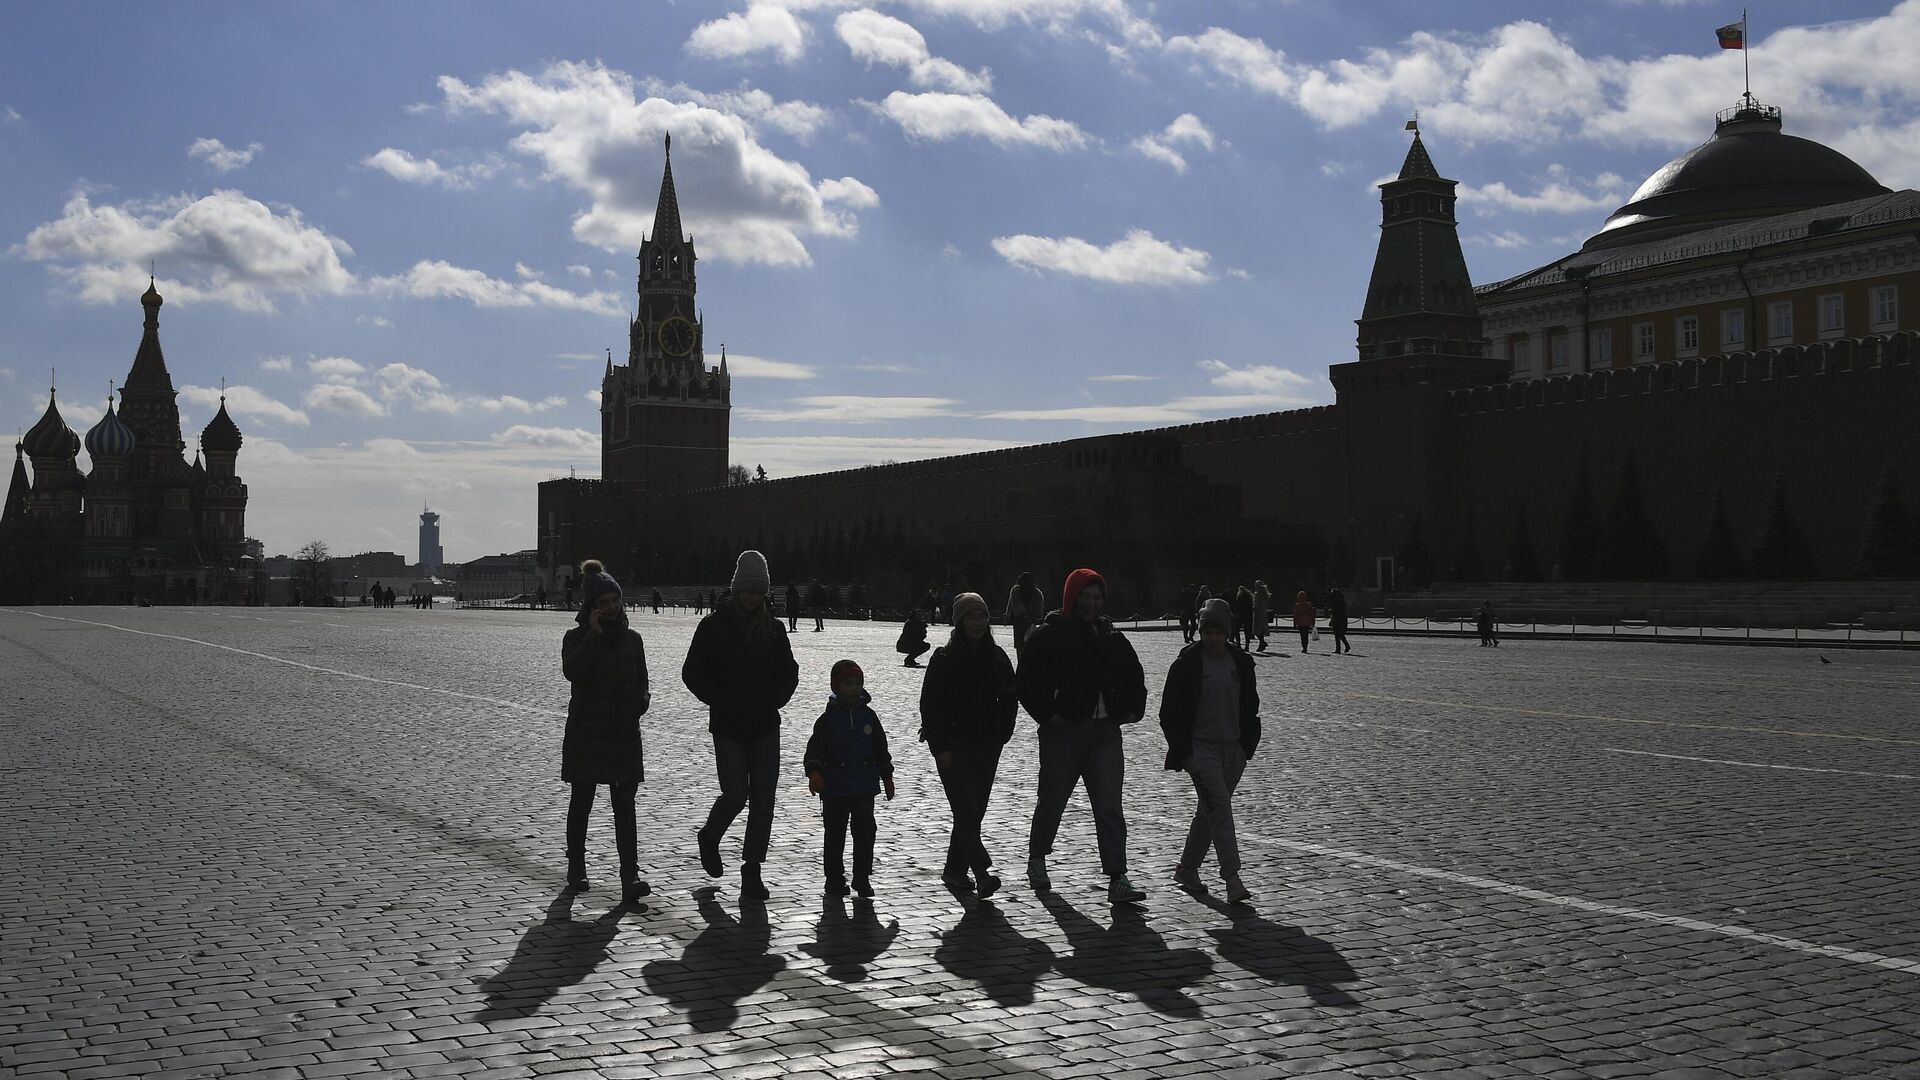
(221, 248)
(799, 119)
(846, 409)
(277, 363)
(437, 278)
(1244, 60)
(1186, 129)
(938, 117)
(1183, 410)
(245, 401)
(763, 27)
(580, 271)
(743, 366)
(1137, 259)
(595, 396)
(10, 115)
(849, 192)
(336, 368)
(1264, 380)
(573, 440)
(741, 201)
(1559, 193)
(525, 273)
(798, 455)
(378, 322)
(406, 168)
(344, 399)
(1124, 378)
(222, 158)
(883, 39)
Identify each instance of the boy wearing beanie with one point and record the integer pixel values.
(848, 764)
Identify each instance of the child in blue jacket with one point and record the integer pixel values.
(847, 765)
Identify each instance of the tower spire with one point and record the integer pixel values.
(666, 215)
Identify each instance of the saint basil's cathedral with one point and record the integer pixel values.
(143, 525)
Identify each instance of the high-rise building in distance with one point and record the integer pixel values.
(430, 557)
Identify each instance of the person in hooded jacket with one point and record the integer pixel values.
(968, 705)
(605, 662)
(742, 667)
(1026, 605)
(1303, 619)
(1079, 677)
(1210, 715)
(847, 764)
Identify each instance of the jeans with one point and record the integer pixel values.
(1215, 768)
(749, 770)
(968, 782)
(1069, 753)
(1306, 637)
(839, 812)
(580, 808)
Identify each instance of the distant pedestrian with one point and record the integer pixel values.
(944, 613)
(968, 705)
(656, 601)
(1079, 677)
(1262, 612)
(378, 595)
(741, 666)
(1188, 604)
(1489, 626)
(569, 594)
(540, 596)
(1243, 616)
(857, 600)
(817, 601)
(1337, 619)
(605, 661)
(913, 638)
(1026, 606)
(1303, 620)
(1210, 714)
(793, 607)
(389, 596)
(847, 764)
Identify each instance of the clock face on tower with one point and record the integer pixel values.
(676, 336)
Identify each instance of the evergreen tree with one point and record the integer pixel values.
(1523, 559)
(1579, 532)
(1889, 549)
(1466, 562)
(1719, 556)
(1782, 551)
(1630, 548)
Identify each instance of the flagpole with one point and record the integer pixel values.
(1746, 65)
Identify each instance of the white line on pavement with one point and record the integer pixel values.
(1595, 907)
(1527, 711)
(1761, 764)
(1361, 723)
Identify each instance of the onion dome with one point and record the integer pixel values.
(110, 438)
(151, 298)
(1747, 170)
(221, 434)
(51, 437)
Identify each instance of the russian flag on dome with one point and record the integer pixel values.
(1733, 35)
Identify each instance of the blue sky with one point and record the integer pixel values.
(404, 233)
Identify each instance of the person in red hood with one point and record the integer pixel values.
(1080, 679)
(1303, 619)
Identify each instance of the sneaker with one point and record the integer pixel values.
(957, 882)
(987, 887)
(634, 889)
(576, 872)
(1188, 878)
(751, 887)
(1037, 874)
(836, 887)
(710, 854)
(1237, 893)
(1121, 891)
(863, 886)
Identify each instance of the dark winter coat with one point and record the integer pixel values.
(849, 749)
(1339, 601)
(1243, 611)
(913, 636)
(610, 694)
(969, 699)
(1180, 703)
(1068, 663)
(743, 683)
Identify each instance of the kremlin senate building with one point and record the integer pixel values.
(1720, 383)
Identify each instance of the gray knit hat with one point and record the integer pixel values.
(750, 574)
(1217, 612)
(966, 602)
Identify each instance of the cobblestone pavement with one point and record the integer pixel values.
(313, 843)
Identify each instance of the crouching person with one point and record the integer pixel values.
(606, 663)
(1210, 713)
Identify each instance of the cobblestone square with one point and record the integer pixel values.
(313, 843)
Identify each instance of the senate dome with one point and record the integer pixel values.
(1748, 169)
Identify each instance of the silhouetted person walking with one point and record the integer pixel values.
(793, 607)
(1188, 606)
(1337, 619)
(1026, 605)
(605, 662)
(968, 705)
(740, 665)
(1303, 619)
(1210, 714)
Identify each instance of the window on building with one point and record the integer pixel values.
(1833, 315)
(1686, 334)
(1886, 307)
(1600, 348)
(1733, 328)
(1642, 341)
(1522, 352)
(1780, 322)
(1557, 351)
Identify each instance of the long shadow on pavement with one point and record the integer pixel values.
(728, 961)
(554, 952)
(1130, 957)
(983, 947)
(848, 945)
(1282, 954)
